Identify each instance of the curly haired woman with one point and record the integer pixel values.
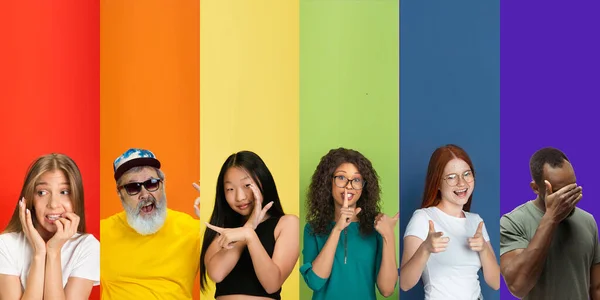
(349, 246)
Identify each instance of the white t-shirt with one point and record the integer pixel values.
(451, 274)
(80, 257)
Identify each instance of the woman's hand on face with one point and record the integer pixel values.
(229, 236)
(66, 228)
(259, 212)
(33, 236)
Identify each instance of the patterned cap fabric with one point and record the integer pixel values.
(134, 158)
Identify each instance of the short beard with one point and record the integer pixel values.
(149, 224)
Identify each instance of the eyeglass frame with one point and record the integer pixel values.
(461, 176)
(349, 181)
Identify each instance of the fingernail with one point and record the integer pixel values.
(28, 211)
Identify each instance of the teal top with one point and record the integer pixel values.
(354, 279)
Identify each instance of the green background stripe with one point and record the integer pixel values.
(349, 91)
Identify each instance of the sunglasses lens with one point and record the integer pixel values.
(133, 188)
(152, 184)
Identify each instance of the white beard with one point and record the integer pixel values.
(149, 224)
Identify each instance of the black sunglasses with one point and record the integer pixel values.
(134, 188)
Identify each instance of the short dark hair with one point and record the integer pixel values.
(551, 156)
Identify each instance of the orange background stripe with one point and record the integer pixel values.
(149, 94)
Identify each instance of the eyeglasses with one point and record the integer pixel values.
(342, 182)
(452, 179)
(134, 188)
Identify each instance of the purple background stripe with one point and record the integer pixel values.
(549, 85)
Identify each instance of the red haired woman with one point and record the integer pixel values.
(445, 245)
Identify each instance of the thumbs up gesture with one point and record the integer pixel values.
(477, 243)
(385, 225)
(435, 241)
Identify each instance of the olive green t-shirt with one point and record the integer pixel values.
(573, 251)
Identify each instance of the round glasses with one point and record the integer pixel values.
(342, 182)
(453, 179)
(134, 188)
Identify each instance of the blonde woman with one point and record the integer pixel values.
(44, 251)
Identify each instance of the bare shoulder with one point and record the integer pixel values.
(290, 218)
(288, 223)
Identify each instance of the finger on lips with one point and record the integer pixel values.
(71, 216)
(65, 222)
(59, 226)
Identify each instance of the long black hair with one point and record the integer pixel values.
(223, 215)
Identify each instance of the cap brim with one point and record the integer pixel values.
(136, 162)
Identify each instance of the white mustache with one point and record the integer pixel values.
(150, 200)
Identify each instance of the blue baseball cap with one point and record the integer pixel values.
(134, 158)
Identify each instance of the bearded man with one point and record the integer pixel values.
(148, 251)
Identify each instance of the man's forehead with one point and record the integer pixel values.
(141, 174)
(565, 167)
(560, 177)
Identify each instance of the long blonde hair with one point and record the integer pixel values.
(48, 163)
